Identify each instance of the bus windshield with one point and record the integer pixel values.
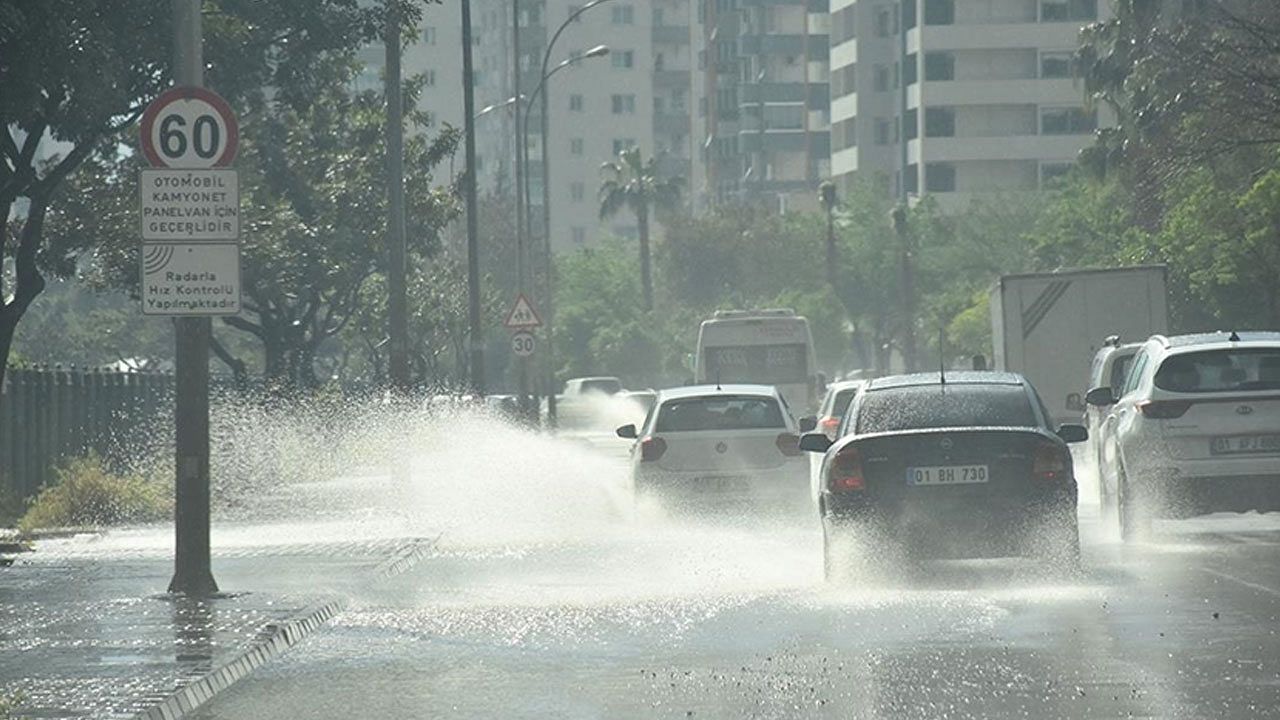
(767, 364)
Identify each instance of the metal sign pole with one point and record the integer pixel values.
(192, 574)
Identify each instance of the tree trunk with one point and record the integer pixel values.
(28, 282)
(646, 270)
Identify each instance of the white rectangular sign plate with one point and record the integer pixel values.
(190, 205)
(190, 279)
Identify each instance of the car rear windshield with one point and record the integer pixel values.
(1224, 370)
(768, 364)
(932, 406)
(731, 412)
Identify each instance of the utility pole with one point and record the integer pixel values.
(397, 287)
(907, 284)
(521, 225)
(476, 338)
(827, 193)
(192, 574)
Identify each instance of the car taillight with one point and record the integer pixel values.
(1050, 462)
(845, 473)
(788, 444)
(652, 448)
(1164, 409)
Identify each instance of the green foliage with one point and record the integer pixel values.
(86, 493)
(10, 505)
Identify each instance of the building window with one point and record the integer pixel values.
(1067, 121)
(575, 103)
(623, 15)
(623, 58)
(1053, 173)
(579, 236)
(429, 35)
(939, 122)
(657, 17)
(1056, 64)
(939, 12)
(1068, 10)
(908, 14)
(784, 117)
(575, 146)
(881, 81)
(844, 25)
(884, 22)
(620, 144)
(909, 70)
(577, 191)
(939, 177)
(429, 78)
(939, 66)
(912, 127)
(882, 131)
(624, 104)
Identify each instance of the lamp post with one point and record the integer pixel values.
(547, 300)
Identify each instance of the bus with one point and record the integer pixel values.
(768, 347)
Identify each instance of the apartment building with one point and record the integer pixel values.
(968, 97)
(763, 101)
(637, 95)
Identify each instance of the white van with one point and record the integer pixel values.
(765, 347)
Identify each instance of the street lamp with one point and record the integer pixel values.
(541, 89)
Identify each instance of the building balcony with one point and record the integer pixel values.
(1033, 91)
(749, 45)
(670, 124)
(1013, 36)
(671, 78)
(671, 34)
(1009, 147)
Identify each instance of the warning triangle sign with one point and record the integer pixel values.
(522, 315)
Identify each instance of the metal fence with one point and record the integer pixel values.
(49, 414)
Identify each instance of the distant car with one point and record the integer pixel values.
(967, 468)
(834, 404)
(1109, 368)
(1195, 429)
(712, 445)
(588, 385)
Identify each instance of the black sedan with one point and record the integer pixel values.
(962, 465)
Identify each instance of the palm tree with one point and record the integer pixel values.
(635, 184)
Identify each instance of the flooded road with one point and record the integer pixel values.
(547, 597)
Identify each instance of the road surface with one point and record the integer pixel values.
(584, 613)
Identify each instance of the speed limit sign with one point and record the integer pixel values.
(522, 343)
(189, 128)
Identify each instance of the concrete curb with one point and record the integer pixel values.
(282, 637)
(279, 638)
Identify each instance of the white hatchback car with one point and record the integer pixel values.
(1109, 368)
(1195, 429)
(735, 443)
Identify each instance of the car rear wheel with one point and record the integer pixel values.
(835, 554)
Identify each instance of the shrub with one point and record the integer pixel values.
(87, 493)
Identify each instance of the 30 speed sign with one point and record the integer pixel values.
(523, 344)
(189, 128)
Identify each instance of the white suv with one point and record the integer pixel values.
(1195, 428)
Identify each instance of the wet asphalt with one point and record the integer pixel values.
(556, 603)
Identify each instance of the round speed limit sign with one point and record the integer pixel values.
(189, 128)
(523, 344)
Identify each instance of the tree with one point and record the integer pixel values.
(313, 209)
(74, 72)
(639, 186)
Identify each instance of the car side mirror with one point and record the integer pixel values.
(808, 423)
(1073, 433)
(1100, 397)
(815, 442)
(627, 431)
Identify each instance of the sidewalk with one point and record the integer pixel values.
(87, 631)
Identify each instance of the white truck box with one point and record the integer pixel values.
(1048, 326)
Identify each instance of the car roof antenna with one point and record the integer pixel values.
(942, 358)
(718, 380)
